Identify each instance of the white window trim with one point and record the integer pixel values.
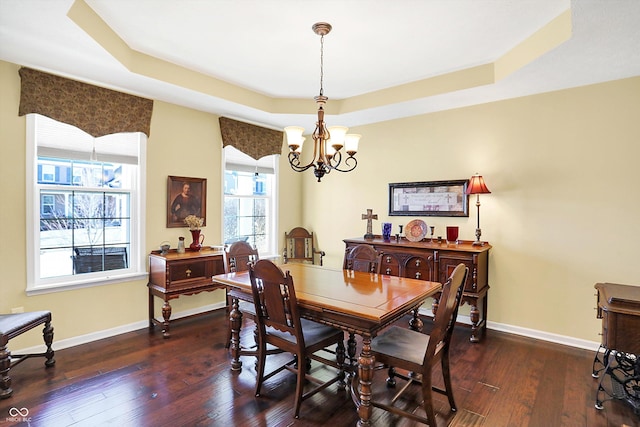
(137, 266)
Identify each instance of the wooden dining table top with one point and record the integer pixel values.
(364, 301)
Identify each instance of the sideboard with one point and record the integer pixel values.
(435, 261)
(172, 275)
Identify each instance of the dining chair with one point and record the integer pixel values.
(299, 247)
(416, 353)
(362, 258)
(237, 258)
(280, 325)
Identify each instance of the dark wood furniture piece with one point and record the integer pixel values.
(435, 261)
(619, 368)
(356, 302)
(417, 353)
(12, 325)
(280, 325)
(362, 258)
(173, 274)
(238, 257)
(299, 247)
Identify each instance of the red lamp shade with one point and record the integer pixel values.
(477, 185)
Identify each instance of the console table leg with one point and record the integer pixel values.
(166, 314)
(151, 311)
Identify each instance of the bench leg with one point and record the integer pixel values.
(5, 380)
(47, 333)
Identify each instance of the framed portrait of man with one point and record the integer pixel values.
(185, 196)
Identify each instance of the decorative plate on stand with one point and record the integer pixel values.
(415, 230)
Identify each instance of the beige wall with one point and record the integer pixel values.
(183, 142)
(563, 213)
(561, 216)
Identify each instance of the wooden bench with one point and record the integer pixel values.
(12, 325)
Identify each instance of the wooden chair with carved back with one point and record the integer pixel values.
(280, 325)
(238, 257)
(362, 258)
(416, 353)
(299, 247)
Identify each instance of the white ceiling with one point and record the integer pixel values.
(266, 49)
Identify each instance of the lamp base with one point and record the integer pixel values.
(478, 234)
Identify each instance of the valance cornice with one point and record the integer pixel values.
(95, 110)
(255, 141)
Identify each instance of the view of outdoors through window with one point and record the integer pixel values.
(84, 216)
(247, 209)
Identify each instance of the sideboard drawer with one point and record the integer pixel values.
(390, 265)
(419, 268)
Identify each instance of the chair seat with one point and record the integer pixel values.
(401, 343)
(247, 309)
(313, 333)
(12, 325)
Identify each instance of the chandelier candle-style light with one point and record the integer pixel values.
(327, 142)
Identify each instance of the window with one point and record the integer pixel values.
(84, 209)
(250, 201)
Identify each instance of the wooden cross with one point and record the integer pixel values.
(369, 216)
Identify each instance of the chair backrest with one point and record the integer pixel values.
(239, 255)
(276, 304)
(299, 246)
(362, 258)
(447, 312)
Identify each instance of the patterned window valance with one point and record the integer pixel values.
(95, 110)
(255, 141)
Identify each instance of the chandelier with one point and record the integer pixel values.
(327, 142)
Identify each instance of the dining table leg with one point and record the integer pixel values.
(235, 318)
(365, 375)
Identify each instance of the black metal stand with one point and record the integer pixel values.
(620, 378)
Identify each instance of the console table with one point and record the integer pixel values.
(174, 274)
(619, 309)
(435, 261)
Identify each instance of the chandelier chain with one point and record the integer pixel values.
(321, 64)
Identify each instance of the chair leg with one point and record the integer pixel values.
(447, 381)
(5, 379)
(302, 376)
(260, 362)
(428, 400)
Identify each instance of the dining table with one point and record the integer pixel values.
(359, 303)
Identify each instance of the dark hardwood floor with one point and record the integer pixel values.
(141, 379)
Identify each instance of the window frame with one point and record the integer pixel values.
(273, 251)
(136, 269)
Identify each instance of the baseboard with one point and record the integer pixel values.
(526, 332)
(107, 333)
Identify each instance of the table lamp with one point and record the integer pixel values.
(477, 186)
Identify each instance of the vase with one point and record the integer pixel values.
(386, 231)
(198, 238)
